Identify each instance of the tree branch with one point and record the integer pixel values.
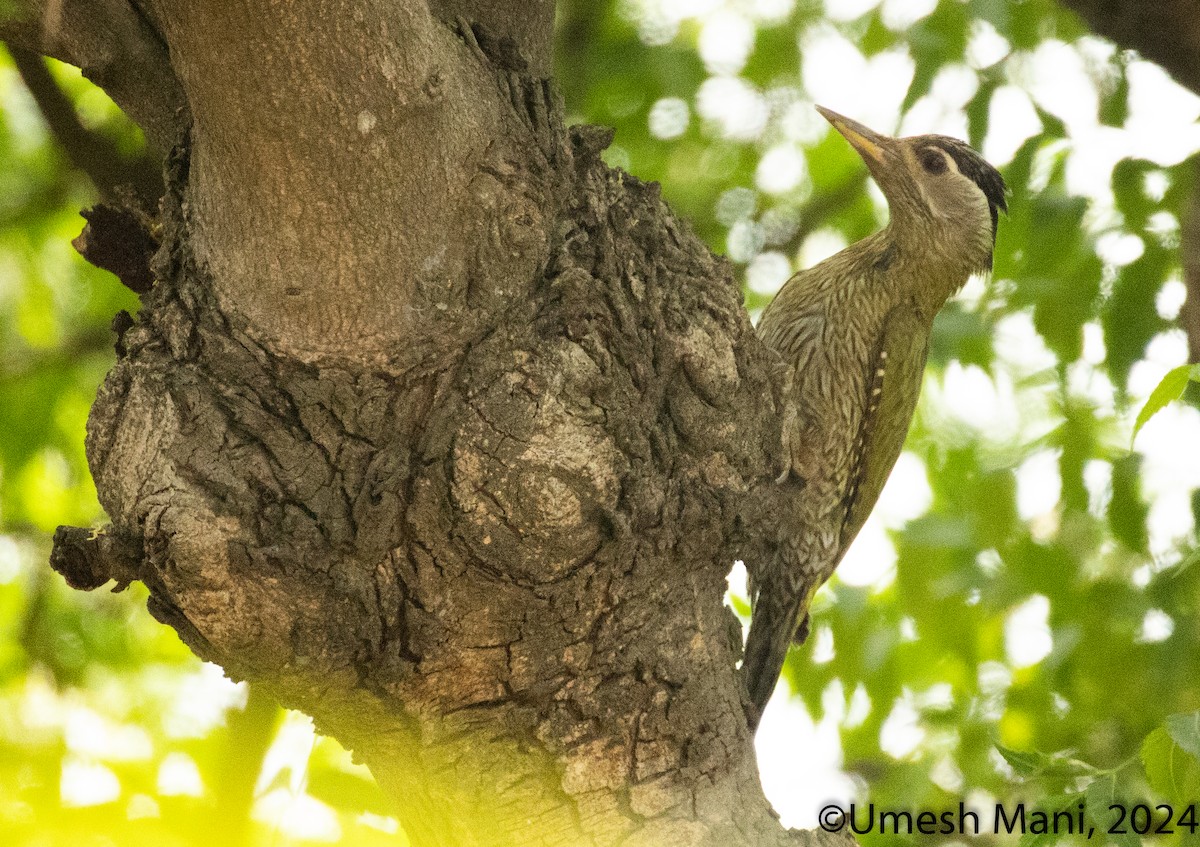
(88, 151)
(1164, 31)
(115, 48)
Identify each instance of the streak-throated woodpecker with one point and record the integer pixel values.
(855, 330)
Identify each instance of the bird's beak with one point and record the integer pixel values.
(869, 144)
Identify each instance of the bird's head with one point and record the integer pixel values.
(943, 197)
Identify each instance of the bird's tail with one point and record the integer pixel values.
(772, 627)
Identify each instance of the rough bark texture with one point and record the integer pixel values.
(509, 563)
(440, 430)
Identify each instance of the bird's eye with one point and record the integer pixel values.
(933, 162)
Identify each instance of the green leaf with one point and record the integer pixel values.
(1170, 769)
(1127, 510)
(1101, 794)
(1158, 759)
(1114, 101)
(1129, 317)
(1170, 388)
(1189, 561)
(1025, 763)
(1038, 839)
(1050, 805)
(1185, 731)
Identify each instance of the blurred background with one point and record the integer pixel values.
(1019, 619)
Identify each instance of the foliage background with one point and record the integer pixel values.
(1027, 582)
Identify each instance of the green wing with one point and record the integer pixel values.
(896, 373)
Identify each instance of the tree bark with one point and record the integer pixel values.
(439, 429)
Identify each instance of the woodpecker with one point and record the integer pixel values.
(855, 330)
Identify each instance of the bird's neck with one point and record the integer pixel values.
(930, 266)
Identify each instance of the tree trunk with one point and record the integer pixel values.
(432, 424)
